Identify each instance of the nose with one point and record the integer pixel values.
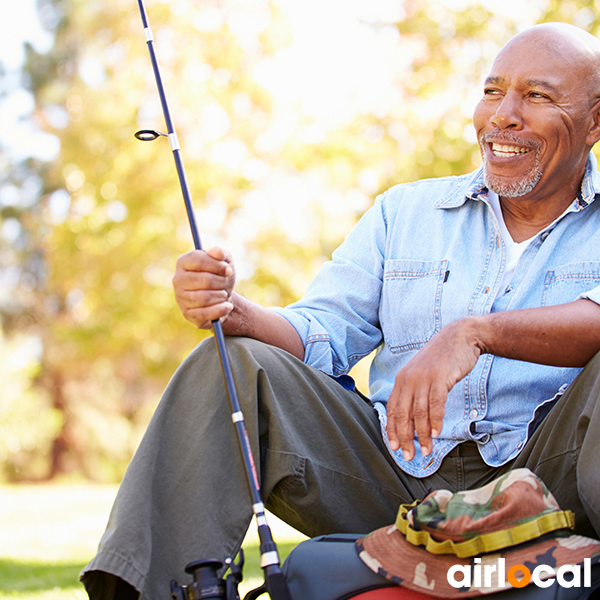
(508, 114)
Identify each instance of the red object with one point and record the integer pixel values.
(392, 593)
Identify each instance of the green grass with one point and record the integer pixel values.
(31, 579)
(48, 533)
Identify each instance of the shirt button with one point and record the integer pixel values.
(473, 414)
(519, 444)
(487, 290)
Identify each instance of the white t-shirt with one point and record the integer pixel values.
(514, 249)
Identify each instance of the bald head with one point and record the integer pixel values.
(558, 32)
(573, 46)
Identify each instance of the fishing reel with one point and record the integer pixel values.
(207, 584)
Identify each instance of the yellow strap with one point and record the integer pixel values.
(485, 542)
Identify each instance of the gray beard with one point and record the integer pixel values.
(518, 188)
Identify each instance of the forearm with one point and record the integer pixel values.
(566, 335)
(252, 320)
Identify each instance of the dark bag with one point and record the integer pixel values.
(328, 568)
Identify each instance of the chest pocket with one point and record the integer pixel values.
(565, 283)
(410, 313)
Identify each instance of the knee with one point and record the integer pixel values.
(236, 347)
(247, 358)
(244, 350)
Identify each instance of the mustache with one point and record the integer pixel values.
(504, 137)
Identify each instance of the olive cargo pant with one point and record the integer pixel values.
(322, 463)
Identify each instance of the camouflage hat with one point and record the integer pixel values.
(483, 540)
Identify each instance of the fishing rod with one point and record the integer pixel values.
(204, 571)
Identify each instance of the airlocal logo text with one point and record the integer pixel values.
(493, 574)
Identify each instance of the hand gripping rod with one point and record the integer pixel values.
(275, 580)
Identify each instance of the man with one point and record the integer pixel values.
(481, 295)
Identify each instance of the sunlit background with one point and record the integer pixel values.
(292, 115)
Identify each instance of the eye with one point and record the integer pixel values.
(539, 96)
(491, 92)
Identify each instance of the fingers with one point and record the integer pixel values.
(204, 317)
(422, 426)
(415, 409)
(437, 407)
(203, 284)
(400, 423)
(188, 282)
(409, 414)
(202, 307)
(216, 260)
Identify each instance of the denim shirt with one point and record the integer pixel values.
(426, 254)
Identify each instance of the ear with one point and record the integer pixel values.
(594, 133)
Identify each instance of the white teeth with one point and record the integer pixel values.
(505, 150)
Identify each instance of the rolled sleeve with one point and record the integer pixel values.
(316, 340)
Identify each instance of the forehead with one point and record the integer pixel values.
(539, 62)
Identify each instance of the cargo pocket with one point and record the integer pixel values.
(410, 313)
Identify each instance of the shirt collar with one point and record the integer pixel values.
(474, 187)
(590, 186)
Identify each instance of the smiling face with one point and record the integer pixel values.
(537, 120)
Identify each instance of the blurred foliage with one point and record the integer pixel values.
(88, 241)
